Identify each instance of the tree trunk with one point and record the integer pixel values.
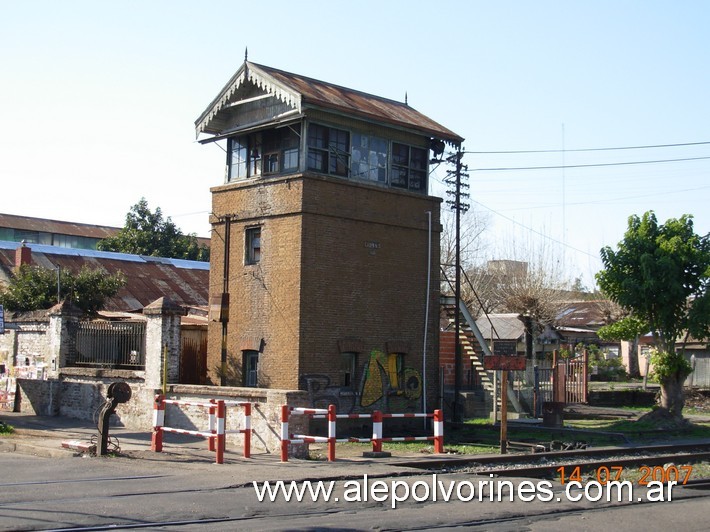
(672, 396)
(634, 370)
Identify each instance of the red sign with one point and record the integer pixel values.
(507, 362)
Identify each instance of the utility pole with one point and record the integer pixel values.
(454, 180)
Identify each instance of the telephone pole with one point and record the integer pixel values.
(455, 181)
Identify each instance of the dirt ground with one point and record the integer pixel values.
(698, 400)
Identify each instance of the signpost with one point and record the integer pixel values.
(504, 358)
(2, 320)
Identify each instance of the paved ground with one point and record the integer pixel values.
(43, 436)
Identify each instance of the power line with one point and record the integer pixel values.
(591, 149)
(627, 163)
(548, 237)
(535, 231)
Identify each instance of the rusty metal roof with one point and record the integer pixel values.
(26, 223)
(147, 278)
(301, 92)
(58, 227)
(584, 314)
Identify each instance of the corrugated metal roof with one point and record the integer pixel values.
(301, 92)
(26, 223)
(581, 314)
(57, 227)
(507, 326)
(148, 278)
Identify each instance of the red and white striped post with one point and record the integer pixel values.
(247, 430)
(332, 416)
(212, 427)
(221, 440)
(438, 431)
(156, 441)
(376, 431)
(284, 433)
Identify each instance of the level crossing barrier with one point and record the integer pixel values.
(377, 431)
(247, 430)
(216, 432)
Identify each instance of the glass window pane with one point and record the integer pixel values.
(400, 154)
(417, 180)
(317, 160)
(317, 136)
(419, 159)
(399, 177)
(290, 159)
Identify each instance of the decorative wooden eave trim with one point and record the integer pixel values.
(248, 72)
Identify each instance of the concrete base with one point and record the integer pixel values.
(374, 454)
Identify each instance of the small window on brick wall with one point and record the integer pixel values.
(348, 367)
(252, 244)
(250, 368)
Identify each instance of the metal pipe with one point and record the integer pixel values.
(426, 315)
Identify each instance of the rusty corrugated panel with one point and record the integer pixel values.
(300, 92)
(26, 223)
(354, 102)
(148, 278)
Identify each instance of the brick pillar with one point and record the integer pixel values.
(163, 329)
(23, 255)
(63, 325)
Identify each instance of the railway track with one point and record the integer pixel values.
(603, 460)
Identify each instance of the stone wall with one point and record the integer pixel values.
(25, 342)
(80, 393)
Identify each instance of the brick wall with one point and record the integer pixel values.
(447, 356)
(340, 260)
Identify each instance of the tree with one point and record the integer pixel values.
(660, 273)
(35, 288)
(147, 233)
(615, 328)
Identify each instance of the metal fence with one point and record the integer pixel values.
(701, 371)
(107, 344)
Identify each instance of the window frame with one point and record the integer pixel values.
(250, 377)
(324, 146)
(348, 369)
(414, 163)
(252, 252)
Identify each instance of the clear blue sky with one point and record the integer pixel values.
(98, 101)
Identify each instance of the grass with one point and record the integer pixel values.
(482, 436)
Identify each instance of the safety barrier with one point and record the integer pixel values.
(377, 433)
(247, 425)
(216, 433)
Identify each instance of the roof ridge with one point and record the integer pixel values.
(343, 87)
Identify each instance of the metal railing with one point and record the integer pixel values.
(106, 344)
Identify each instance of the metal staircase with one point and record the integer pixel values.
(468, 334)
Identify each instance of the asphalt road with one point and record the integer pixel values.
(124, 493)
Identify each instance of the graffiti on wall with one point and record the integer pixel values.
(385, 384)
(387, 381)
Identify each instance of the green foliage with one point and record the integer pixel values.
(31, 288)
(35, 288)
(147, 233)
(660, 273)
(669, 366)
(626, 328)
